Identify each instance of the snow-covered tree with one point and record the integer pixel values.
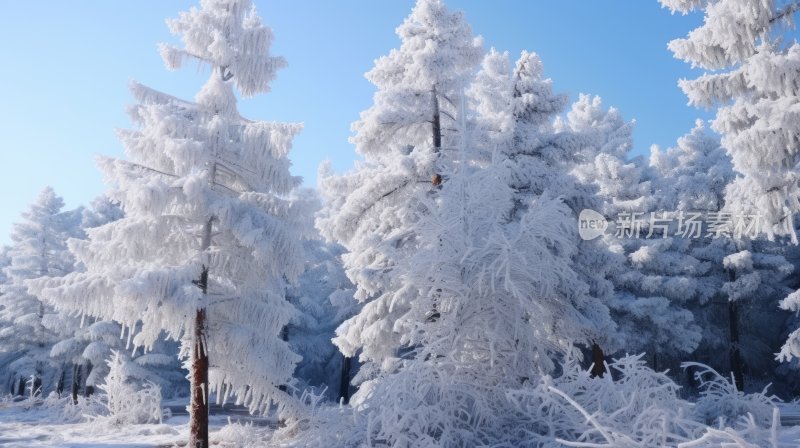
(101, 211)
(604, 141)
(516, 108)
(506, 303)
(324, 298)
(209, 235)
(497, 267)
(88, 346)
(541, 156)
(750, 57)
(39, 249)
(619, 186)
(6, 356)
(406, 140)
(730, 282)
(694, 174)
(128, 402)
(752, 79)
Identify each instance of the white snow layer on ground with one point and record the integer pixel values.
(639, 408)
(23, 425)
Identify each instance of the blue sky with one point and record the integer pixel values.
(67, 66)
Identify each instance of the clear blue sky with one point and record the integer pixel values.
(66, 68)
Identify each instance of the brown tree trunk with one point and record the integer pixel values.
(198, 412)
(198, 431)
(344, 381)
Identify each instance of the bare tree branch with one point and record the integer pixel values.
(788, 10)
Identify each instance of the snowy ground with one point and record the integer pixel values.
(22, 425)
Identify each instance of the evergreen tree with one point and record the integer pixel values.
(87, 347)
(208, 236)
(323, 297)
(497, 266)
(406, 140)
(29, 326)
(752, 80)
(542, 156)
(650, 319)
(752, 75)
(515, 124)
(729, 282)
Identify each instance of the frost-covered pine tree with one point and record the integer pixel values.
(101, 211)
(209, 235)
(730, 282)
(87, 370)
(497, 267)
(604, 141)
(619, 186)
(6, 356)
(752, 79)
(87, 347)
(516, 108)
(750, 58)
(406, 140)
(323, 297)
(29, 326)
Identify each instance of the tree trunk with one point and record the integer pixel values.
(88, 389)
(198, 425)
(284, 337)
(36, 387)
(61, 377)
(199, 407)
(76, 382)
(436, 128)
(598, 359)
(736, 365)
(344, 381)
(21, 387)
(436, 122)
(436, 181)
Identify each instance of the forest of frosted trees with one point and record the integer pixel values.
(497, 268)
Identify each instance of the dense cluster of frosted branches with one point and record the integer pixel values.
(633, 407)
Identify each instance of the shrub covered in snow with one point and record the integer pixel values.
(719, 398)
(635, 406)
(125, 402)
